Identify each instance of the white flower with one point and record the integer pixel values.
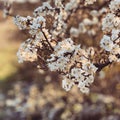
(116, 22)
(116, 49)
(64, 46)
(115, 34)
(20, 22)
(27, 52)
(67, 84)
(36, 23)
(112, 58)
(114, 5)
(107, 22)
(77, 73)
(106, 43)
(42, 9)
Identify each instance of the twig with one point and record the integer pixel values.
(47, 40)
(100, 66)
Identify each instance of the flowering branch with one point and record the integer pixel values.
(48, 44)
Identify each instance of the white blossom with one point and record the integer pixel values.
(37, 23)
(27, 52)
(67, 83)
(21, 22)
(107, 22)
(115, 34)
(107, 43)
(114, 5)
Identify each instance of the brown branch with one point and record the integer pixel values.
(47, 40)
(101, 66)
(100, 59)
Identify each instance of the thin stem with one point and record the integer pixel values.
(101, 60)
(41, 58)
(101, 66)
(47, 40)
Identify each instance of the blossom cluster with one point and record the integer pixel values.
(111, 26)
(46, 25)
(28, 51)
(73, 62)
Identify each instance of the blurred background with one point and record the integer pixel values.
(27, 93)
